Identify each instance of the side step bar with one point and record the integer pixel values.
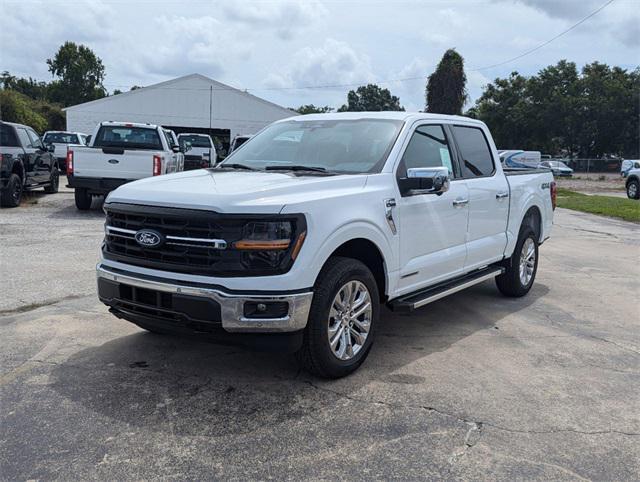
(412, 301)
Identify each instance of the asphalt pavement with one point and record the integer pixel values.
(475, 386)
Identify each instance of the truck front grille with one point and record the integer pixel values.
(194, 241)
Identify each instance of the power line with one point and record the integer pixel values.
(530, 51)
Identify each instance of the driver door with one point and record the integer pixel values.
(433, 227)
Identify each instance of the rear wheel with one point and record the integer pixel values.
(633, 189)
(12, 193)
(54, 182)
(83, 198)
(342, 321)
(518, 279)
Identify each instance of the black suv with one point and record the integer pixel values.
(25, 163)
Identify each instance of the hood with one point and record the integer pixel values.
(234, 191)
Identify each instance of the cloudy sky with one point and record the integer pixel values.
(278, 49)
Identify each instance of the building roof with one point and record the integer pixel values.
(166, 85)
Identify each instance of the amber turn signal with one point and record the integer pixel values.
(262, 245)
(298, 245)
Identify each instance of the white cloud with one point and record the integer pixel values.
(333, 63)
(285, 17)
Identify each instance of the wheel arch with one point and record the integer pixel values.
(533, 218)
(368, 253)
(18, 168)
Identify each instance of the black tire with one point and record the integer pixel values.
(54, 182)
(633, 189)
(12, 193)
(83, 199)
(316, 355)
(509, 283)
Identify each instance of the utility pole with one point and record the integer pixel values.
(210, 104)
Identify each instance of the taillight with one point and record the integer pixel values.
(554, 194)
(69, 163)
(157, 165)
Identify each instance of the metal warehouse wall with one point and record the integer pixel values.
(181, 102)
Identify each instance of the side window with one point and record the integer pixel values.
(24, 138)
(8, 137)
(35, 140)
(428, 147)
(474, 149)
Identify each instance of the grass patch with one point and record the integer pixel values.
(615, 207)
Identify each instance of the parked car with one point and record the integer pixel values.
(202, 151)
(627, 165)
(237, 142)
(172, 139)
(295, 240)
(632, 183)
(61, 141)
(119, 152)
(558, 168)
(25, 163)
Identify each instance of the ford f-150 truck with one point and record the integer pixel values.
(119, 152)
(296, 239)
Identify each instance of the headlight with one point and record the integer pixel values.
(271, 244)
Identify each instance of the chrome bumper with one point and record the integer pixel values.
(231, 305)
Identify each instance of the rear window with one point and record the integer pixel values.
(61, 138)
(8, 137)
(476, 155)
(196, 141)
(128, 138)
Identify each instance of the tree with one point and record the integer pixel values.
(135, 87)
(588, 113)
(370, 98)
(17, 107)
(80, 72)
(446, 90)
(29, 87)
(312, 109)
(117, 91)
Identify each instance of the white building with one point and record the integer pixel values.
(193, 103)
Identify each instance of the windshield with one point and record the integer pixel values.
(60, 138)
(195, 140)
(127, 137)
(345, 146)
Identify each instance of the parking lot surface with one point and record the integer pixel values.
(475, 386)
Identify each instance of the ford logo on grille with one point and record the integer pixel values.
(148, 238)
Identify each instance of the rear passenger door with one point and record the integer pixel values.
(488, 197)
(432, 227)
(43, 159)
(30, 156)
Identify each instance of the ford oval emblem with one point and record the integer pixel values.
(148, 238)
(113, 161)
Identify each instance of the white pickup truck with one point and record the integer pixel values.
(120, 152)
(295, 240)
(62, 141)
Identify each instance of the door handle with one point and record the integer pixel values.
(502, 195)
(460, 202)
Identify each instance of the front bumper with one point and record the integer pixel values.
(232, 305)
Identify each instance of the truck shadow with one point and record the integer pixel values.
(187, 387)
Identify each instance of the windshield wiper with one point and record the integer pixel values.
(295, 167)
(236, 166)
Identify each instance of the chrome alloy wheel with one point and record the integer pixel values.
(349, 320)
(527, 261)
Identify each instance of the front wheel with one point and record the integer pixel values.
(518, 279)
(342, 321)
(633, 189)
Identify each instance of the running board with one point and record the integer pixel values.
(412, 301)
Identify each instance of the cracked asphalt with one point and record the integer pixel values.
(473, 387)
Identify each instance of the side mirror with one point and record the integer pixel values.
(176, 149)
(50, 148)
(425, 180)
(186, 146)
